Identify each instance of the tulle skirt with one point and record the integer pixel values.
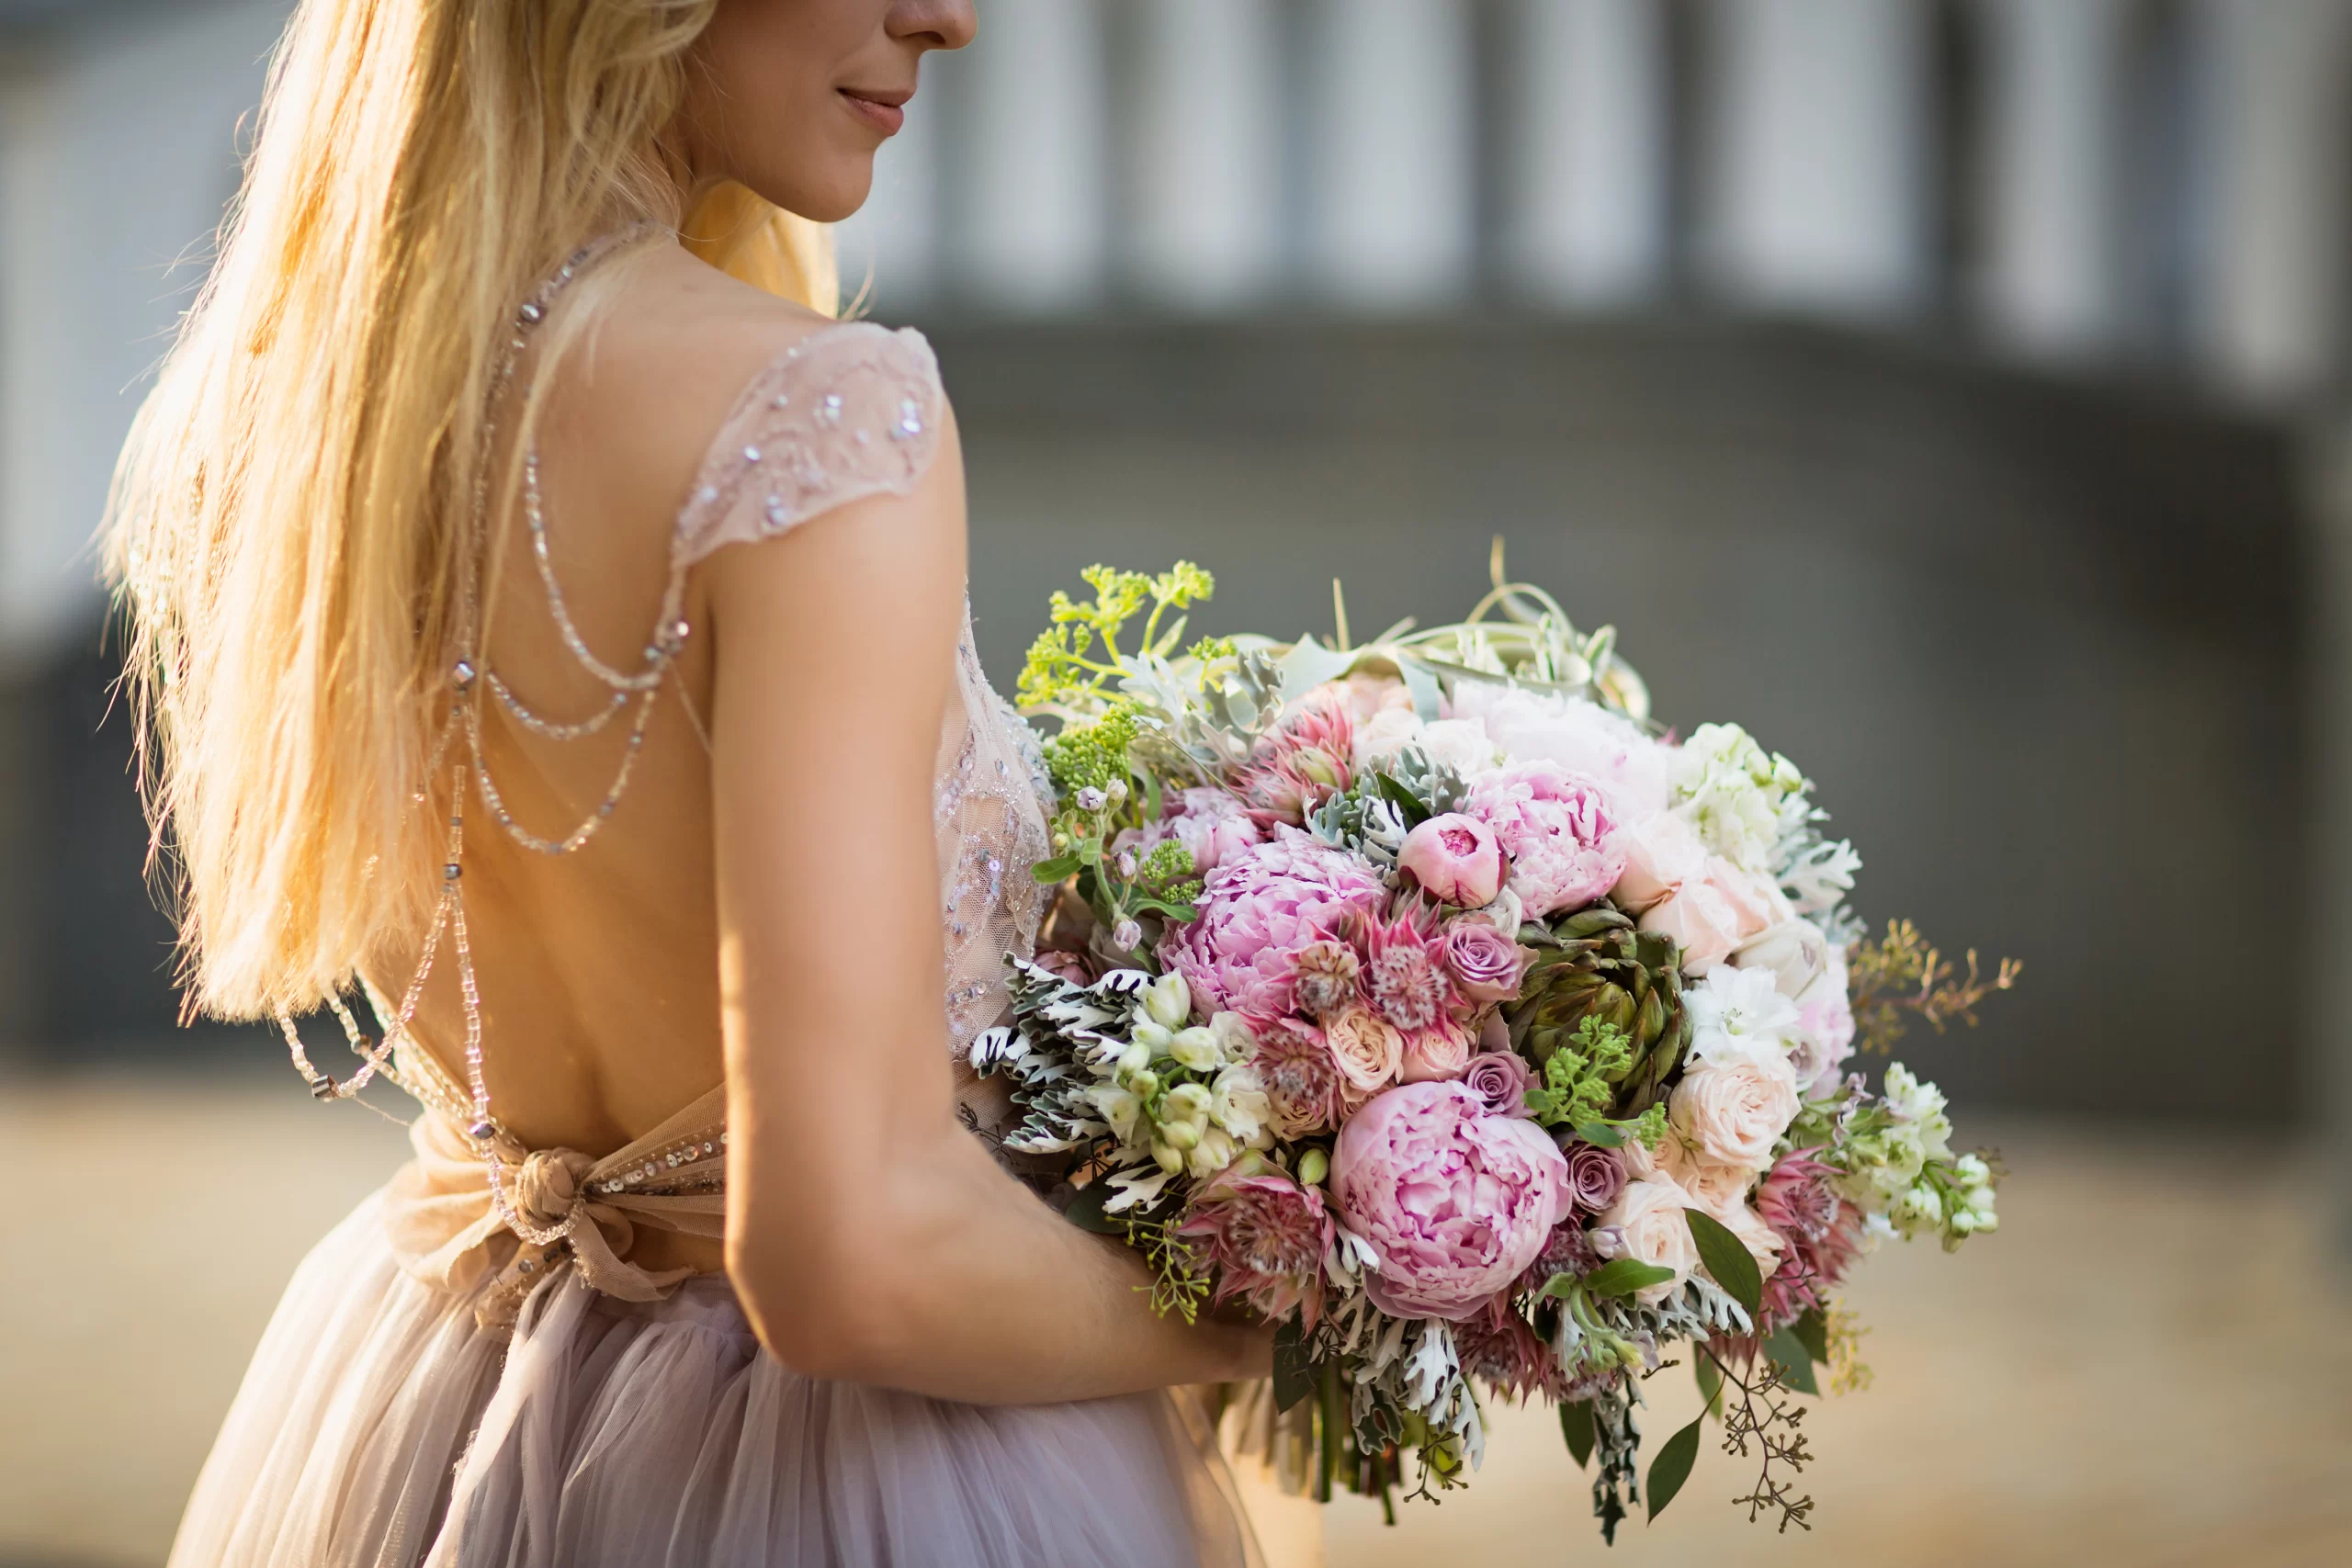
(380, 1427)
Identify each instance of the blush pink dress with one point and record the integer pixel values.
(435, 1390)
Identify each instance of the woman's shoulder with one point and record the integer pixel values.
(742, 414)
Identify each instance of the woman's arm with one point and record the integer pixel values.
(870, 1236)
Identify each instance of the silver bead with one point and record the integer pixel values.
(532, 312)
(461, 675)
(450, 871)
(480, 1132)
(750, 454)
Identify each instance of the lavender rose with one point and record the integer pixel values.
(1500, 1080)
(1456, 1202)
(1595, 1175)
(1486, 963)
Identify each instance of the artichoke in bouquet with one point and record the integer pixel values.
(1595, 965)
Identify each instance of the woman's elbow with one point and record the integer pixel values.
(837, 1308)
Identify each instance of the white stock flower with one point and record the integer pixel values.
(1740, 799)
(1214, 1151)
(1168, 1001)
(1233, 1036)
(1118, 1107)
(1239, 1103)
(1740, 1015)
(1196, 1048)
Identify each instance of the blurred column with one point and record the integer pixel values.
(1393, 169)
(1816, 145)
(2328, 953)
(1034, 172)
(2053, 163)
(2268, 310)
(1588, 213)
(1209, 153)
(890, 249)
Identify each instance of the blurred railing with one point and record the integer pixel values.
(2090, 180)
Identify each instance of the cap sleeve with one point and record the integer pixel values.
(849, 412)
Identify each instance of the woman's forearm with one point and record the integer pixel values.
(954, 1282)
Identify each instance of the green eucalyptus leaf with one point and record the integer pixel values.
(1796, 1361)
(1727, 1261)
(1575, 1425)
(1054, 869)
(1624, 1276)
(1672, 1466)
(1293, 1374)
(1600, 1135)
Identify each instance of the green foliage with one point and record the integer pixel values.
(1578, 1086)
(1728, 1260)
(1620, 1277)
(1795, 1360)
(1672, 1466)
(1576, 1428)
(1094, 755)
(1074, 661)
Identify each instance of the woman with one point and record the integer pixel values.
(562, 638)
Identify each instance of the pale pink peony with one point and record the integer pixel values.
(1211, 824)
(1441, 1049)
(1559, 829)
(1500, 1080)
(1302, 1083)
(1484, 964)
(1582, 736)
(1307, 759)
(1456, 859)
(1265, 1236)
(1456, 1202)
(1256, 913)
(1366, 1052)
(1825, 1013)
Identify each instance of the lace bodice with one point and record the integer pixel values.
(853, 411)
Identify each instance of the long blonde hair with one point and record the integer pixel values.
(293, 521)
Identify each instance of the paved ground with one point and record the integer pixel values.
(2148, 1365)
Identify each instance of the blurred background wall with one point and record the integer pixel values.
(1945, 388)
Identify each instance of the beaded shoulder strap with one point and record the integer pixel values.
(849, 411)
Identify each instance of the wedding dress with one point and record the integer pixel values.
(470, 1371)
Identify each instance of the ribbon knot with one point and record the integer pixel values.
(548, 1186)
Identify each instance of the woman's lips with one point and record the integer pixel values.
(880, 113)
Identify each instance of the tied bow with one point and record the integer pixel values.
(446, 1231)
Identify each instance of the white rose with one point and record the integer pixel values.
(1796, 951)
(1732, 1114)
(1647, 1218)
(1763, 1243)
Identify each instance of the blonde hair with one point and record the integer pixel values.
(294, 520)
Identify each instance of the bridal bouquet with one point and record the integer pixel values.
(1426, 998)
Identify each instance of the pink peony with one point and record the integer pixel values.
(1500, 1080)
(1265, 1236)
(1210, 823)
(1403, 971)
(1306, 760)
(1456, 1202)
(1441, 1049)
(1367, 694)
(1302, 1083)
(1559, 829)
(1543, 727)
(1485, 964)
(1456, 859)
(1257, 912)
